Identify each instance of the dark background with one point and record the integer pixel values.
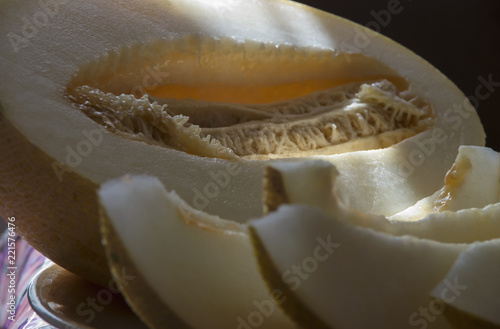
(460, 38)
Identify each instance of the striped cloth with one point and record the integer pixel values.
(27, 263)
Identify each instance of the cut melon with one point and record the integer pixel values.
(337, 275)
(470, 290)
(200, 267)
(373, 260)
(321, 268)
(472, 182)
(201, 98)
(471, 188)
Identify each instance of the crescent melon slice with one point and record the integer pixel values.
(199, 267)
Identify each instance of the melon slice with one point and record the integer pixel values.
(141, 218)
(470, 290)
(383, 255)
(200, 94)
(200, 267)
(471, 189)
(337, 275)
(472, 182)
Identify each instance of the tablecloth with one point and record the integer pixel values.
(20, 263)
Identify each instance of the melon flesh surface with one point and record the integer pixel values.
(477, 272)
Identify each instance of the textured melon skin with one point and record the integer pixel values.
(49, 212)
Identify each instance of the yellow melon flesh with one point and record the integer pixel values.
(218, 92)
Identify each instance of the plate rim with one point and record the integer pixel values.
(43, 312)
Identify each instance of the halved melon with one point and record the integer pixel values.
(201, 94)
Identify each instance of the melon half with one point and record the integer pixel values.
(202, 94)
